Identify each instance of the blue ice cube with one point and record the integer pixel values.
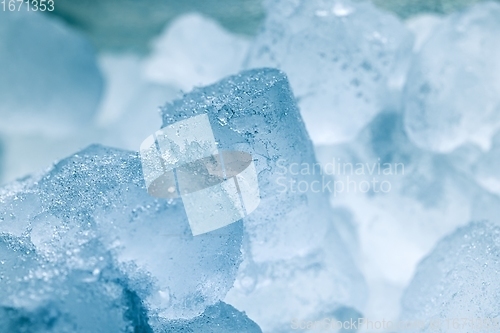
(98, 196)
(346, 61)
(452, 95)
(39, 295)
(456, 287)
(414, 197)
(291, 231)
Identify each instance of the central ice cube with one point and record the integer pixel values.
(295, 262)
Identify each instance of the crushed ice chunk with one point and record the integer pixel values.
(99, 195)
(40, 295)
(129, 110)
(456, 286)
(412, 200)
(266, 124)
(452, 94)
(345, 61)
(486, 168)
(193, 51)
(422, 27)
(292, 249)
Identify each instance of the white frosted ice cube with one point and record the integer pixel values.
(193, 51)
(456, 287)
(452, 94)
(345, 60)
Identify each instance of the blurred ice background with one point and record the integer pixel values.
(408, 82)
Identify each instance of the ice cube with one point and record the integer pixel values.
(49, 75)
(409, 199)
(480, 165)
(99, 194)
(295, 262)
(422, 27)
(456, 286)
(255, 112)
(346, 61)
(130, 108)
(40, 296)
(128, 112)
(486, 169)
(195, 51)
(452, 95)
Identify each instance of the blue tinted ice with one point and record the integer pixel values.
(129, 109)
(97, 200)
(418, 198)
(49, 75)
(345, 59)
(452, 95)
(217, 318)
(486, 168)
(291, 246)
(194, 51)
(456, 286)
(40, 296)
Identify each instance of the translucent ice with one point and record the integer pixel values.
(195, 51)
(129, 110)
(486, 169)
(345, 61)
(452, 95)
(422, 27)
(218, 318)
(50, 87)
(50, 78)
(403, 200)
(98, 195)
(456, 287)
(39, 296)
(480, 165)
(295, 262)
